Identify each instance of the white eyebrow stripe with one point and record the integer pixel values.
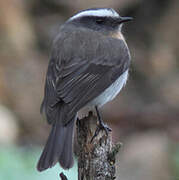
(98, 12)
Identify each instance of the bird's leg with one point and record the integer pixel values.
(101, 125)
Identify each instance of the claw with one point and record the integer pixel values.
(101, 126)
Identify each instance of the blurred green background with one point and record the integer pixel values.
(144, 117)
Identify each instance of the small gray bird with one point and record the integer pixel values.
(88, 67)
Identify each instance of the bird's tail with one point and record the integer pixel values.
(58, 147)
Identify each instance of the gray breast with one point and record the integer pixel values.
(111, 92)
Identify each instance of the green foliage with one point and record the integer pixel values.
(20, 164)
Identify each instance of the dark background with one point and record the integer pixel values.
(145, 114)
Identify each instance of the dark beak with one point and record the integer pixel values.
(125, 19)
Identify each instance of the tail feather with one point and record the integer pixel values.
(44, 161)
(66, 160)
(58, 147)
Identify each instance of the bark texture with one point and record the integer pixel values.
(96, 160)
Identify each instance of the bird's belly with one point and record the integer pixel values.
(111, 92)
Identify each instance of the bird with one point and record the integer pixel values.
(88, 67)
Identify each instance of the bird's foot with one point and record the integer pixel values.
(101, 127)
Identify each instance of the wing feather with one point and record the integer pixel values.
(77, 80)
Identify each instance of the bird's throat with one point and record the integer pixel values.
(118, 35)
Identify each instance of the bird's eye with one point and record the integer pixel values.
(100, 21)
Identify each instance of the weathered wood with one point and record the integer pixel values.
(62, 176)
(96, 159)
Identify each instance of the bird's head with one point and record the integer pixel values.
(105, 20)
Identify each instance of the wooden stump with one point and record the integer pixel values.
(96, 159)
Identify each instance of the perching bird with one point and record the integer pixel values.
(88, 67)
